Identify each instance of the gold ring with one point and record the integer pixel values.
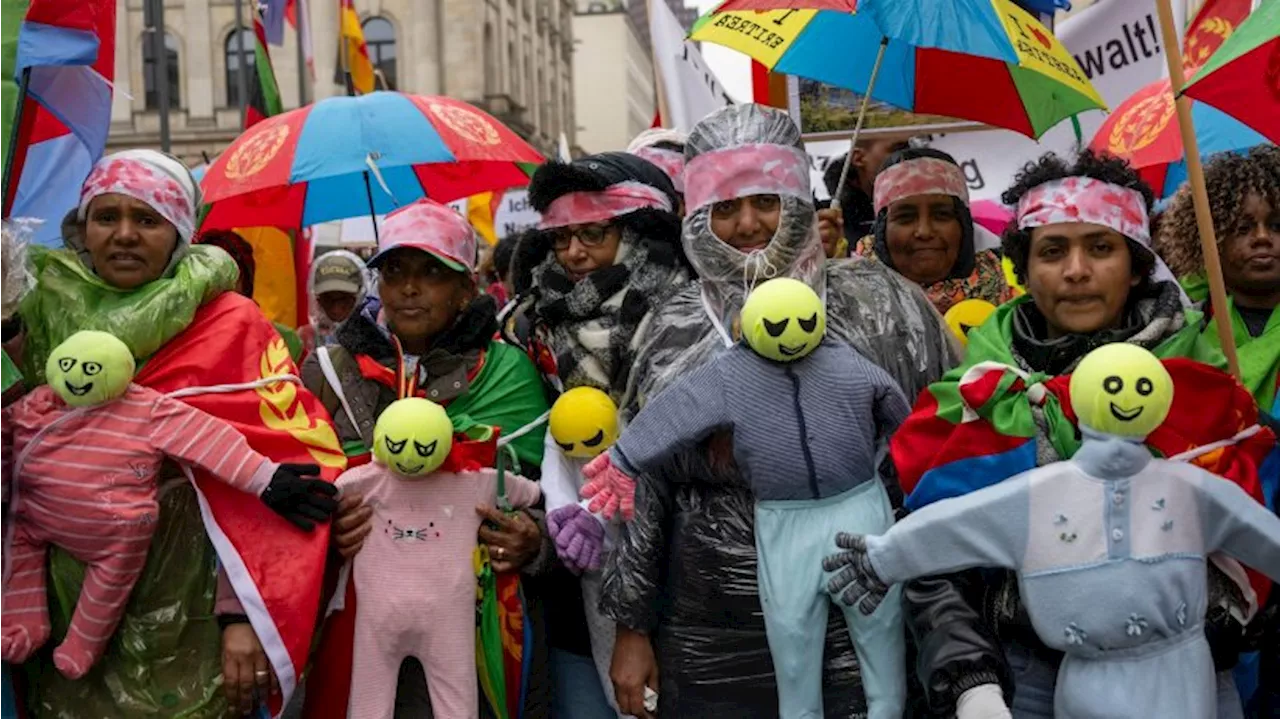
(501, 551)
(262, 674)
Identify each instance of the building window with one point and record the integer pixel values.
(380, 37)
(490, 62)
(171, 72)
(234, 59)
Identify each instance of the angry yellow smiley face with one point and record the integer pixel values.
(783, 320)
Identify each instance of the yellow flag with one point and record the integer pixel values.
(480, 215)
(275, 286)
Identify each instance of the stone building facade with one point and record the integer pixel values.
(510, 57)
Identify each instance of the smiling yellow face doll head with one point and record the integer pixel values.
(584, 422)
(89, 368)
(413, 437)
(1121, 390)
(783, 320)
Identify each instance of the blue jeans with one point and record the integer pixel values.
(575, 688)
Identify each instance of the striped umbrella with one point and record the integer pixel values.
(367, 155)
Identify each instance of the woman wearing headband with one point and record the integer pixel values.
(682, 581)
(605, 256)
(129, 268)
(434, 330)
(1081, 247)
(923, 230)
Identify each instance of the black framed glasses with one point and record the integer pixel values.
(588, 235)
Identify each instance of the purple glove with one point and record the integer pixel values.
(579, 537)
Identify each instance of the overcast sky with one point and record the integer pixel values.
(732, 67)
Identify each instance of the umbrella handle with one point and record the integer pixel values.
(1199, 194)
(857, 128)
(373, 216)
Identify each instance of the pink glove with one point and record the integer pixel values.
(579, 537)
(609, 489)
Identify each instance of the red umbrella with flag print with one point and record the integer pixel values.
(367, 155)
(1243, 77)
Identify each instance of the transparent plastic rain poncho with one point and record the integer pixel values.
(685, 568)
(165, 659)
(13, 263)
(325, 328)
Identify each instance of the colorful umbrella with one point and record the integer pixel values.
(1243, 77)
(1143, 130)
(983, 60)
(351, 156)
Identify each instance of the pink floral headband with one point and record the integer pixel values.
(744, 171)
(144, 182)
(1085, 199)
(577, 208)
(670, 162)
(919, 176)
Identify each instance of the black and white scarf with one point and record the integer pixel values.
(591, 324)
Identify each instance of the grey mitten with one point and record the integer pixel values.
(579, 537)
(856, 581)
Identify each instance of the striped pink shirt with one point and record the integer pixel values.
(108, 456)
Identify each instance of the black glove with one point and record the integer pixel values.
(297, 494)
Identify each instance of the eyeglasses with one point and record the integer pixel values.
(588, 235)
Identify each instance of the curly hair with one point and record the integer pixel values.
(1230, 179)
(1016, 243)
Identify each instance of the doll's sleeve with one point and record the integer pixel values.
(677, 419)
(6, 452)
(560, 476)
(185, 433)
(891, 408)
(987, 528)
(1237, 524)
(522, 492)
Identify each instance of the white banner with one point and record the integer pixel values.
(515, 214)
(1118, 45)
(687, 84)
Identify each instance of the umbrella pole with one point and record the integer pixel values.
(373, 216)
(1199, 195)
(857, 128)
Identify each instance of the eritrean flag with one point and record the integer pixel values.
(264, 95)
(277, 570)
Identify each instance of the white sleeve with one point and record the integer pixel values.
(561, 476)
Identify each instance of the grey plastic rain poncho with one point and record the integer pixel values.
(685, 569)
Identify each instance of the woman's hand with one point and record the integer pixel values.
(246, 674)
(830, 229)
(634, 667)
(352, 522)
(516, 541)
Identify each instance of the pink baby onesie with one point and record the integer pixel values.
(417, 585)
(89, 486)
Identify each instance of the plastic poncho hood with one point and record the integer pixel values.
(795, 251)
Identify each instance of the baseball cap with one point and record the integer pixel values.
(433, 228)
(336, 273)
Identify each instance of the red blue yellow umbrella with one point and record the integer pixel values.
(983, 60)
(352, 156)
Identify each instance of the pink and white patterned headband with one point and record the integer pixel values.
(579, 208)
(744, 171)
(144, 182)
(1085, 199)
(670, 162)
(919, 176)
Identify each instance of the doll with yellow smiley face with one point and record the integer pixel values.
(1110, 547)
(808, 417)
(415, 576)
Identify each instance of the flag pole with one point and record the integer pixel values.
(659, 87)
(242, 78)
(1199, 194)
(301, 10)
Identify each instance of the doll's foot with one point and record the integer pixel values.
(20, 641)
(73, 662)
